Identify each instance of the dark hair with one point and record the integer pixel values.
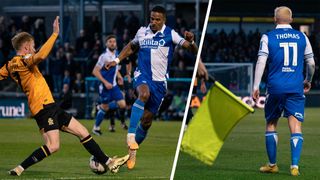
(19, 39)
(110, 37)
(159, 9)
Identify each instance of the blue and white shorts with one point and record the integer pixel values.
(290, 104)
(109, 95)
(157, 89)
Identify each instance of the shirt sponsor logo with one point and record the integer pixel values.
(151, 43)
(287, 69)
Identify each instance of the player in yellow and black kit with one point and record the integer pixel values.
(50, 118)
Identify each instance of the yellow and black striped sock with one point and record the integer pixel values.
(36, 156)
(93, 148)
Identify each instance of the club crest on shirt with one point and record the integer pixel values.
(298, 115)
(50, 121)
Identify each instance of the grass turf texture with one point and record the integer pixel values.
(19, 138)
(244, 152)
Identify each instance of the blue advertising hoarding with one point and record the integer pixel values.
(13, 108)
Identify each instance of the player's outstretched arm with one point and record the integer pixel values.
(46, 48)
(189, 43)
(129, 49)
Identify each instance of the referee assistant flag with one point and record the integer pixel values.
(218, 114)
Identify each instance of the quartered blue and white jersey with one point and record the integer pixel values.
(156, 52)
(286, 50)
(111, 74)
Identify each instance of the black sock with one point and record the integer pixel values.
(121, 115)
(36, 156)
(112, 118)
(94, 149)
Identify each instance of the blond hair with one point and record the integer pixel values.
(19, 39)
(283, 14)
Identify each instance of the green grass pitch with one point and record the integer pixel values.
(19, 138)
(244, 152)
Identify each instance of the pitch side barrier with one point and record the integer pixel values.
(15, 105)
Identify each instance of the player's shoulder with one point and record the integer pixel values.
(168, 30)
(103, 54)
(142, 30)
(20, 59)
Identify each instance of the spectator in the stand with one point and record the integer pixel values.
(94, 26)
(81, 39)
(65, 98)
(124, 39)
(26, 24)
(68, 48)
(97, 45)
(180, 23)
(67, 78)
(84, 52)
(78, 85)
(92, 60)
(119, 23)
(69, 63)
(132, 25)
(39, 32)
(2, 57)
(181, 72)
(56, 70)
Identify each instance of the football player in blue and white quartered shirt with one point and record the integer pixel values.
(155, 45)
(285, 50)
(110, 94)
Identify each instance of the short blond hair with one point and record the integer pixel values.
(283, 14)
(19, 39)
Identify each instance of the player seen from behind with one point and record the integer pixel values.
(285, 50)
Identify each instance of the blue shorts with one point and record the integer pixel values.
(109, 95)
(288, 104)
(158, 90)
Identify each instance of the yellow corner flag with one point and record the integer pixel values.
(218, 114)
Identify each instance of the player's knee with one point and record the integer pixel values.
(104, 107)
(122, 105)
(53, 147)
(146, 123)
(144, 96)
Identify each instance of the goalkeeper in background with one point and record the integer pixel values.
(49, 116)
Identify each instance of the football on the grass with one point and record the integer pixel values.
(96, 166)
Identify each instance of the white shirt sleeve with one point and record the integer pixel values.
(263, 50)
(100, 62)
(261, 64)
(176, 38)
(308, 53)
